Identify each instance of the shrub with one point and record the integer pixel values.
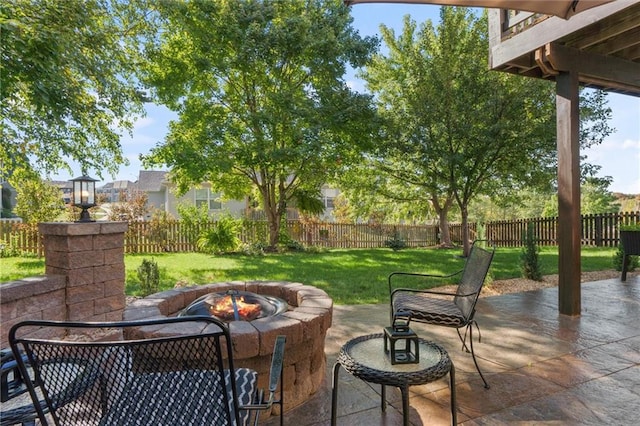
(255, 249)
(529, 256)
(194, 219)
(149, 276)
(159, 230)
(8, 250)
(618, 258)
(286, 243)
(222, 237)
(395, 242)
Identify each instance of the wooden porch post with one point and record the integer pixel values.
(567, 119)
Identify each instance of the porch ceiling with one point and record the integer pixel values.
(602, 44)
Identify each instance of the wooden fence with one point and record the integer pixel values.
(147, 237)
(18, 238)
(600, 230)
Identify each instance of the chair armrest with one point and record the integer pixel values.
(277, 361)
(413, 290)
(441, 293)
(411, 274)
(275, 378)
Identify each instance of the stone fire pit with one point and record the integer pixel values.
(304, 324)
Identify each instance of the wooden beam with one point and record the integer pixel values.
(601, 30)
(543, 63)
(632, 53)
(614, 45)
(504, 51)
(567, 122)
(625, 74)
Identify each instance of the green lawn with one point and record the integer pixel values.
(348, 276)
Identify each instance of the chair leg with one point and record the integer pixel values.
(463, 339)
(473, 355)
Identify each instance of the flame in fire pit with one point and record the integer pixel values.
(226, 308)
(236, 306)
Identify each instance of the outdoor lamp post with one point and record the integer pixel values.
(84, 196)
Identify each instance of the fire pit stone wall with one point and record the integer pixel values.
(304, 324)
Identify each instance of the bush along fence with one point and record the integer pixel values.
(174, 236)
(602, 230)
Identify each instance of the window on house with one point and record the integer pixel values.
(208, 198)
(328, 202)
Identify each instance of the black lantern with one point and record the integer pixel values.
(84, 196)
(400, 342)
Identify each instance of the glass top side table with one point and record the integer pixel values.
(364, 358)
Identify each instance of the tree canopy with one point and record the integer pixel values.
(67, 83)
(261, 100)
(454, 129)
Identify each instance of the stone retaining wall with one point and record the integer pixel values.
(84, 281)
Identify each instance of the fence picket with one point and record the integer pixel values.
(600, 230)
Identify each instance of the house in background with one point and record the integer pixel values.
(66, 187)
(161, 196)
(112, 192)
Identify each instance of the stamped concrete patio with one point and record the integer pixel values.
(543, 368)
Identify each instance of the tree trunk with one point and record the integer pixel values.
(274, 232)
(272, 211)
(445, 234)
(466, 242)
(443, 222)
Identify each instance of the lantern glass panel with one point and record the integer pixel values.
(77, 192)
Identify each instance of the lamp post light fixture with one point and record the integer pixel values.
(84, 196)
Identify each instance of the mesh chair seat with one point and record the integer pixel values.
(144, 401)
(429, 309)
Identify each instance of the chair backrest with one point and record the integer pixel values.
(93, 378)
(473, 275)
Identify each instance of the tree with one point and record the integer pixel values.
(261, 100)
(459, 130)
(67, 84)
(38, 201)
(595, 198)
(131, 207)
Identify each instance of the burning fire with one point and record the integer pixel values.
(223, 309)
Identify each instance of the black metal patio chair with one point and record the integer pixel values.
(15, 404)
(113, 373)
(454, 310)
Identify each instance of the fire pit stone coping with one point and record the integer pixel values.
(305, 325)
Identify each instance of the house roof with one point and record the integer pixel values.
(118, 184)
(62, 184)
(151, 180)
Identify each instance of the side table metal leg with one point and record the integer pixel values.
(454, 404)
(404, 390)
(334, 394)
(383, 398)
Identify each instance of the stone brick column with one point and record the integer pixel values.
(91, 257)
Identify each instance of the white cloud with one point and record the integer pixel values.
(143, 122)
(355, 85)
(631, 144)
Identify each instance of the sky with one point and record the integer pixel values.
(618, 155)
